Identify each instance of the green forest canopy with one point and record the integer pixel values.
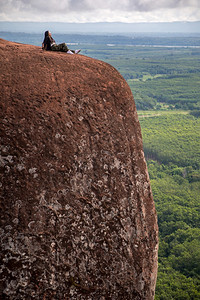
(172, 143)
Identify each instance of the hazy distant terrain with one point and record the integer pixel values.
(104, 27)
(134, 39)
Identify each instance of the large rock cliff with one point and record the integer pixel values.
(78, 219)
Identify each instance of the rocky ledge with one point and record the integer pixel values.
(77, 215)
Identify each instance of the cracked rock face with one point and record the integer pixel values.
(77, 215)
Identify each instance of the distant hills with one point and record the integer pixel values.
(99, 28)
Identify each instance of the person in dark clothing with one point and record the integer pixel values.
(49, 44)
(48, 41)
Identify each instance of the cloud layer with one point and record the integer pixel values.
(100, 10)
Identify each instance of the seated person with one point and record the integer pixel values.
(50, 45)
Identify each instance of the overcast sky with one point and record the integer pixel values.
(129, 11)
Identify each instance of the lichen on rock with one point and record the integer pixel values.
(78, 218)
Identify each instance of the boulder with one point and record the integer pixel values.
(78, 219)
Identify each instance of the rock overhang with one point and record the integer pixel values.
(79, 217)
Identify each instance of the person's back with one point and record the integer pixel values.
(48, 41)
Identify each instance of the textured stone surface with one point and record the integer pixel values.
(78, 219)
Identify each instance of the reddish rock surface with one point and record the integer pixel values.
(78, 219)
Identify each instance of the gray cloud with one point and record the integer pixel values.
(150, 5)
(66, 6)
(80, 11)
